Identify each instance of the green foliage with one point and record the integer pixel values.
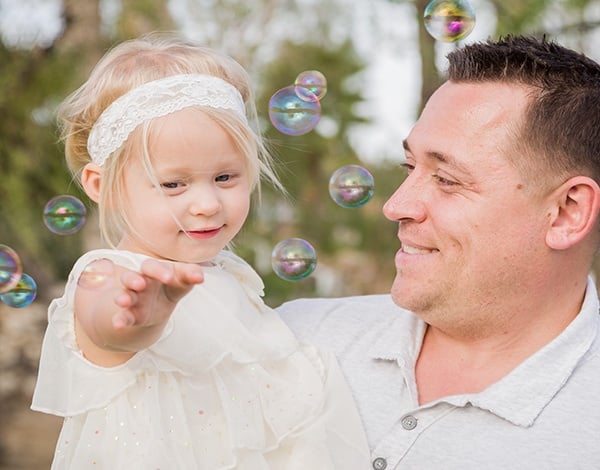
(31, 161)
(341, 237)
(355, 246)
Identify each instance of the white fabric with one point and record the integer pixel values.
(543, 415)
(226, 386)
(155, 99)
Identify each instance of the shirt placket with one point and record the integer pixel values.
(398, 441)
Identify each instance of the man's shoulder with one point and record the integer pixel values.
(317, 319)
(364, 308)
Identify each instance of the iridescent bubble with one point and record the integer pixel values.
(449, 20)
(97, 275)
(291, 114)
(312, 81)
(10, 268)
(64, 215)
(293, 259)
(351, 186)
(22, 294)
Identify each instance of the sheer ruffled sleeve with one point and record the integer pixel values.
(68, 383)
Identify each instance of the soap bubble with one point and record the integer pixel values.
(22, 294)
(293, 259)
(449, 20)
(10, 268)
(64, 215)
(97, 275)
(351, 186)
(291, 114)
(312, 81)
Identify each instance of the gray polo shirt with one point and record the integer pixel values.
(545, 414)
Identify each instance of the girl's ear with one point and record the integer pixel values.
(91, 175)
(575, 214)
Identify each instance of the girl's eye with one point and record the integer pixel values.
(223, 178)
(170, 185)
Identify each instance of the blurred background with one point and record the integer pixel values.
(380, 64)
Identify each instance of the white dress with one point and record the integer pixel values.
(226, 386)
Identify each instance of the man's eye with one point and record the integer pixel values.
(408, 167)
(444, 181)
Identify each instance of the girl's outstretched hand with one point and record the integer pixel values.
(149, 297)
(114, 323)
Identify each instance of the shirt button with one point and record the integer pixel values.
(379, 463)
(409, 422)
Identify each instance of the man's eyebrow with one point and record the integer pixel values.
(441, 157)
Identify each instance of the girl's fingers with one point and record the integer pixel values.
(189, 273)
(122, 320)
(173, 274)
(133, 281)
(126, 299)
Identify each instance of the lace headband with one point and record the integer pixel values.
(156, 99)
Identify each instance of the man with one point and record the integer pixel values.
(487, 354)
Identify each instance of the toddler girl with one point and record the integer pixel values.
(177, 363)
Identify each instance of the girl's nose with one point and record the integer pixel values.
(204, 201)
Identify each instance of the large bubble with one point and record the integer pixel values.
(449, 20)
(22, 294)
(10, 268)
(351, 186)
(293, 115)
(293, 259)
(64, 215)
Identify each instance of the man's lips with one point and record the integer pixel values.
(414, 250)
(411, 252)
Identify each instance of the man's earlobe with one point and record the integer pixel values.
(575, 213)
(91, 176)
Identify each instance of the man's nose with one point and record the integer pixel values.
(407, 202)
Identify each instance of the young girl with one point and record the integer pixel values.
(177, 363)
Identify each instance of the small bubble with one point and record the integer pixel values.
(312, 81)
(293, 259)
(351, 186)
(22, 294)
(291, 114)
(449, 20)
(64, 215)
(97, 275)
(10, 268)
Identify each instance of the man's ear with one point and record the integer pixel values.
(91, 176)
(575, 211)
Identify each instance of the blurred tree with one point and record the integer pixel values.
(32, 83)
(275, 40)
(139, 17)
(32, 164)
(351, 244)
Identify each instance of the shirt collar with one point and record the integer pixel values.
(401, 340)
(521, 395)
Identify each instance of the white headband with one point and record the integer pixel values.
(155, 99)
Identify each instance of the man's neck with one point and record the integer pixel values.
(451, 363)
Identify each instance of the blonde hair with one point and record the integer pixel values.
(129, 65)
